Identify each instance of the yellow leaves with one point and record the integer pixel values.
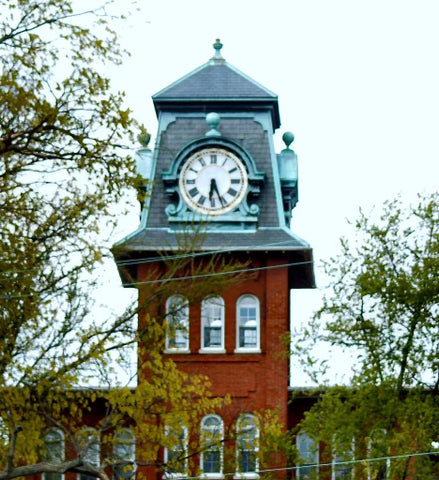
(124, 117)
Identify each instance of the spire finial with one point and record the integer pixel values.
(217, 58)
(218, 46)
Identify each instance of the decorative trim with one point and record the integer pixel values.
(244, 216)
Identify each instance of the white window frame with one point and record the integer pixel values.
(205, 307)
(217, 445)
(255, 449)
(181, 314)
(57, 431)
(124, 440)
(310, 457)
(88, 433)
(184, 449)
(254, 301)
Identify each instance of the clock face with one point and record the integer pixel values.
(213, 181)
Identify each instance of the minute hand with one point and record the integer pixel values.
(215, 187)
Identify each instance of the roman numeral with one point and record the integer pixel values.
(193, 170)
(213, 159)
(212, 202)
(236, 181)
(233, 170)
(191, 181)
(193, 192)
(201, 200)
(201, 160)
(232, 192)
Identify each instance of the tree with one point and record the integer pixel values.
(382, 306)
(63, 143)
(62, 138)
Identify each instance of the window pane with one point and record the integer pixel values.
(247, 461)
(309, 454)
(247, 444)
(212, 319)
(124, 454)
(248, 337)
(175, 455)
(248, 322)
(212, 433)
(212, 337)
(89, 440)
(343, 472)
(212, 462)
(53, 452)
(177, 316)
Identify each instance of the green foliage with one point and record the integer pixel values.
(62, 135)
(383, 307)
(64, 166)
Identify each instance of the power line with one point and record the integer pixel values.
(192, 277)
(165, 257)
(205, 275)
(328, 464)
(197, 254)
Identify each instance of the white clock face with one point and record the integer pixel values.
(213, 181)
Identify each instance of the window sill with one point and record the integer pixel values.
(177, 350)
(212, 350)
(247, 475)
(247, 350)
(218, 476)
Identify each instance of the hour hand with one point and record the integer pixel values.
(212, 188)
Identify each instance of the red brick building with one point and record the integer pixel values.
(214, 164)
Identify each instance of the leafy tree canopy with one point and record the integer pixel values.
(382, 306)
(62, 135)
(64, 165)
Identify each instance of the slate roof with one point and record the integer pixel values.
(164, 239)
(215, 85)
(215, 80)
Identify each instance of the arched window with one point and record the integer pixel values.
(88, 443)
(247, 446)
(175, 451)
(212, 325)
(309, 455)
(124, 449)
(177, 317)
(53, 451)
(211, 457)
(248, 323)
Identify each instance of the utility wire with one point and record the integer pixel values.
(197, 254)
(167, 257)
(205, 275)
(319, 465)
(191, 277)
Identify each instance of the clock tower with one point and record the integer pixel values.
(214, 169)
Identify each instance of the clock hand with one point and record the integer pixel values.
(217, 192)
(212, 188)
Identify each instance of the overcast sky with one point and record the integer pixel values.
(358, 85)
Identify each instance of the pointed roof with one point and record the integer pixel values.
(219, 85)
